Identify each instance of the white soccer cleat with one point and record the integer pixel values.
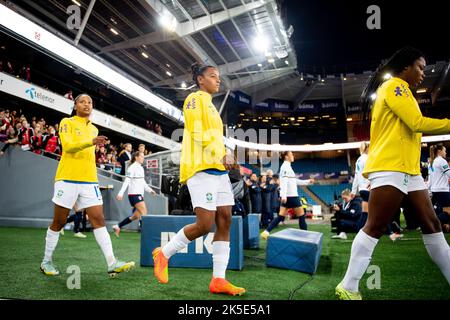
(341, 235)
(395, 236)
(80, 235)
(116, 230)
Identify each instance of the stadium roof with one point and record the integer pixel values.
(132, 36)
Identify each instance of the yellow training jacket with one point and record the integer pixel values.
(396, 130)
(78, 153)
(202, 146)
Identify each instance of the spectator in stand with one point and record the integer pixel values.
(12, 138)
(25, 135)
(37, 141)
(52, 144)
(108, 162)
(101, 157)
(158, 129)
(124, 156)
(142, 149)
(6, 121)
(56, 126)
(69, 95)
(149, 125)
(117, 165)
(9, 68)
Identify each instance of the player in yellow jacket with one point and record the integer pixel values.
(393, 165)
(76, 183)
(202, 168)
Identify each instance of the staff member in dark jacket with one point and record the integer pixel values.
(255, 193)
(276, 200)
(267, 189)
(346, 219)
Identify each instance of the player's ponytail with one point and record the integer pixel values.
(363, 147)
(198, 70)
(134, 156)
(433, 152)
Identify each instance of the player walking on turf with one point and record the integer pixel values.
(393, 166)
(203, 168)
(135, 182)
(76, 183)
(289, 195)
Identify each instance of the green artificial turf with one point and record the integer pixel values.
(406, 271)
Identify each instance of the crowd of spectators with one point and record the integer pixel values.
(42, 138)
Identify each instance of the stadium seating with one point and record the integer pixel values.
(327, 192)
(320, 165)
(308, 198)
(294, 249)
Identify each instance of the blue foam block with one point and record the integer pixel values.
(294, 249)
(157, 230)
(251, 231)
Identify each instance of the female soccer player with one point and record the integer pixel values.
(289, 195)
(361, 184)
(202, 168)
(135, 182)
(392, 166)
(439, 173)
(76, 182)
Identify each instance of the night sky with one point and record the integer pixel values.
(332, 37)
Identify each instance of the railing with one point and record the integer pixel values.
(157, 165)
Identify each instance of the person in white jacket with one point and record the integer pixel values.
(439, 174)
(135, 182)
(288, 194)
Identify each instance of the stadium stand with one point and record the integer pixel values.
(320, 165)
(327, 192)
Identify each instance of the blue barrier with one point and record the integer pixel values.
(157, 230)
(251, 231)
(294, 249)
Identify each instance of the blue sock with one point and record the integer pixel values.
(274, 223)
(302, 222)
(124, 222)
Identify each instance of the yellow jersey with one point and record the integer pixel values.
(77, 162)
(202, 147)
(396, 130)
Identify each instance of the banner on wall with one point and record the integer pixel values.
(280, 105)
(320, 106)
(354, 108)
(48, 99)
(241, 99)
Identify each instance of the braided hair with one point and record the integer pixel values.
(395, 65)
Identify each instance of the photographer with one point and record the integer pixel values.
(346, 218)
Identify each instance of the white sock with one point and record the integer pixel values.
(51, 240)
(361, 254)
(221, 255)
(104, 241)
(439, 252)
(176, 244)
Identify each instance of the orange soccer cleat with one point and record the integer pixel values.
(161, 266)
(219, 285)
